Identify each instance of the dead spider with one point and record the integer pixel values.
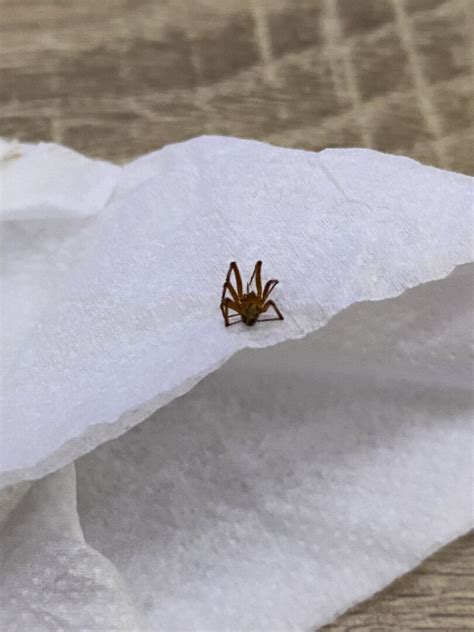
(250, 305)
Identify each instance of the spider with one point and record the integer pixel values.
(248, 305)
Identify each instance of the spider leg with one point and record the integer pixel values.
(232, 305)
(257, 273)
(225, 306)
(268, 289)
(265, 308)
(238, 279)
(236, 322)
(236, 294)
(228, 286)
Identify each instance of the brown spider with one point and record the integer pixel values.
(250, 305)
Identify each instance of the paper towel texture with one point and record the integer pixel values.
(296, 480)
(49, 198)
(51, 578)
(284, 488)
(138, 323)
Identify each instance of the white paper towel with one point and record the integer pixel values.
(295, 480)
(49, 198)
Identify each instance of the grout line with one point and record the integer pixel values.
(264, 42)
(330, 30)
(201, 95)
(469, 30)
(341, 50)
(422, 88)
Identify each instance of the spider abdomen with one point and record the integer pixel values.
(250, 313)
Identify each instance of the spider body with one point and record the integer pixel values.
(249, 305)
(250, 308)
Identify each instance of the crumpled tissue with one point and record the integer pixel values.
(289, 484)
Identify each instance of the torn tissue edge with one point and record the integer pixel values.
(62, 183)
(96, 434)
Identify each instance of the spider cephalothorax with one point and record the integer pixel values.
(250, 304)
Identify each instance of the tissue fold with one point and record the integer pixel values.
(296, 480)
